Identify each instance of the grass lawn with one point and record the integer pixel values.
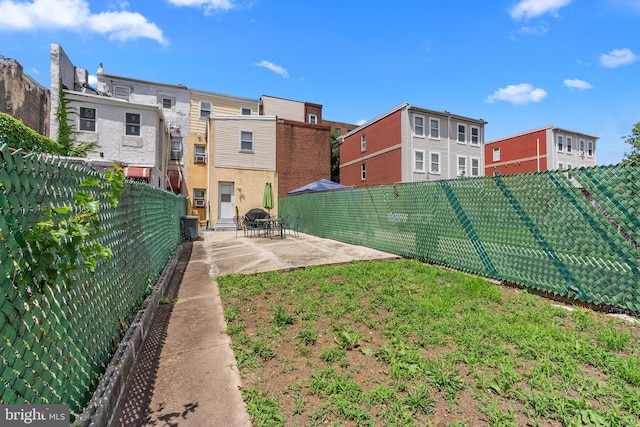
(406, 343)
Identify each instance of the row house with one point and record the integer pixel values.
(303, 142)
(231, 156)
(134, 123)
(411, 144)
(545, 148)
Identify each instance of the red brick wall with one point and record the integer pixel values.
(518, 154)
(303, 154)
(310, 108)
(381, 169)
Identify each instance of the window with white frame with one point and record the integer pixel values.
(590, 148)
(199, 153)
(475, 166)
(581, 147)
(569, 144)
(199, 198)
(560, 142)
(462, 133)
(561, 166)
(496, 154)
(434, 128)
(245, 111)
(176, 150)
(132, 124)
(167, 103)
(246, 141)
(475, 135)
(363, 171)
(121, 92)
(434, 163)
(418, 125)
(363, 142)
(313, 119)
(205, 109)
(418, 157)
(462, 166)
(569, 166)
(87, 119)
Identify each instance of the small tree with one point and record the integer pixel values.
(66, 131)
(634, 141)
(335, 157)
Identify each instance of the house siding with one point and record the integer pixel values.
(283, 108)
(227, 143)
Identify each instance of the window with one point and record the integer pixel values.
(176, 150)
(245, 111)
(363, 142)
(88, 119)
(418, 125)
(121, 92)
(581, 147)
(590, 148)
(313, 119)
(434, 128)
(475, 166)
(246, 141)
(199, 153)
(205, 109)
(475, 135)
(132, 124)
(560, 143)
(434, 166)
(462, 165)
(561, 166)
(496, 154)
(167, 103)
(418, 161)
(338, 131)
(363, 171)
(199, 199)
(462, 133)
(569, 144)
(569, 166)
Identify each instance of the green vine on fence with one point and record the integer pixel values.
(66, 239)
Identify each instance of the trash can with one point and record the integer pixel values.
(190, 227)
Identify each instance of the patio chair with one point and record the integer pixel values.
(250, 226)
(293, 224)
(239, 223)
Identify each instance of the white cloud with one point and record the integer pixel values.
(34, 70)
(360, 122)
(209, 5)
(537, 30)
(533, 8)
(93, 81)
(577, 84)
(273, 67)
(74, 15)
(523, 93)
(618, 57)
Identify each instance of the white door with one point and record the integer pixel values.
(225, 203)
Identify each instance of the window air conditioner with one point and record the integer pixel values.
(581, 153)
(199, 203)
(200, 159)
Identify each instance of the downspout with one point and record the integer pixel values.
(538, 153)
(448, 145)
(208, 213)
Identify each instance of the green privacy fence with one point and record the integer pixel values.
(573, 235)
(56, 342)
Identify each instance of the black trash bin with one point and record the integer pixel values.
(190, 227)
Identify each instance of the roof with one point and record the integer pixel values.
(320, 185)
(542, 128)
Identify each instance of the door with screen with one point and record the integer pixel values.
(225, 208)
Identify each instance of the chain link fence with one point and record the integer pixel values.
(574, 235)
(58, 340)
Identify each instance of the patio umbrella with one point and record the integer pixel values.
(267, 199)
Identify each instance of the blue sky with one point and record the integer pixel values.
(517, 64)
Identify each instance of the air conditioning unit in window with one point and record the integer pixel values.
(200, 159)
(581, 153)
(199, 203)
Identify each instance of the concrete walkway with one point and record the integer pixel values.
(185, 373)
